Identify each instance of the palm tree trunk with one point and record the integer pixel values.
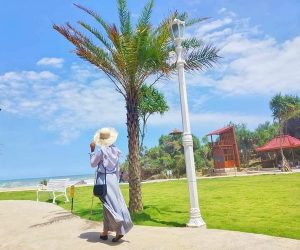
(285, 165)
(135, 194)
(142, 135)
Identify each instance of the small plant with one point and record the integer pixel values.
(44, 182)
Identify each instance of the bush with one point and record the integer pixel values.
(158, 176)
(44, 182)
(148, 172)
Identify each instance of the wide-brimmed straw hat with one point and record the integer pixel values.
(105, 136)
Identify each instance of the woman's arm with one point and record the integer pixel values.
(95, 157)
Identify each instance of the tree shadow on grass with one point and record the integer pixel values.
(145, 216)
(138, 218)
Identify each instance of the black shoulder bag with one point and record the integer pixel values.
(100, 190)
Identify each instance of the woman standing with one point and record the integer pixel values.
(116, 216)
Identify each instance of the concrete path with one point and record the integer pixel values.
(31, 225)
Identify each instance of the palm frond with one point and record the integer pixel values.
(98, 35)
(144, 19)
(94, 15)
(193, 21)
(103, 65)
(166, 22)
(192, 43)
(182, 16)
(130, 57)
(124, 16)
(70, 34)
(114, 36)
(202, 58)
(87, 50)
(190, 21)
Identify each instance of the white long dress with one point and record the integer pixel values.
(116, 216)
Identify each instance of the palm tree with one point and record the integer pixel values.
(129, 55)
(284, 108)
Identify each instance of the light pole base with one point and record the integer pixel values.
(196, 223)
(196, 219)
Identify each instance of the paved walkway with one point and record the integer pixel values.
(31, 225)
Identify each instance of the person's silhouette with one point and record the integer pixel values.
(121, 177)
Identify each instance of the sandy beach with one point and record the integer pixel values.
(90, 182)
(38, 225)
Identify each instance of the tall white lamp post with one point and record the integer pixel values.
(177, 31)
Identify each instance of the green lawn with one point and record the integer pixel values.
(266, 204)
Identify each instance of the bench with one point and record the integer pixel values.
(54, 186)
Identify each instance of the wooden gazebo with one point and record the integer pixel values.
(286, 142)
(175, 132)
(224, 149)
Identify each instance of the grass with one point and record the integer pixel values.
(266, 204)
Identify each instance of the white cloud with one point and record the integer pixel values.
(214, 25)
(65, 106)
(201, 115)
(267, 70)
(212, 119)
(228, 13)
(222, 10)
(253, 62)
(51, 61)
(253, 65)
(27, 76)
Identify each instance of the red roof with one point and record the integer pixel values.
(287, 141)
(175, 132)
(220, 131)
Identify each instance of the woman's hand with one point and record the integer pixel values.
(92, 146)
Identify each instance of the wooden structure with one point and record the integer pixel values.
(273, 146)
(175, 132)
(224, 149)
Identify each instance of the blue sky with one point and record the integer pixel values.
(52, 102)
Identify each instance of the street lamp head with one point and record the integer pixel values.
(177, 29)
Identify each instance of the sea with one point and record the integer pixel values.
(30, 182)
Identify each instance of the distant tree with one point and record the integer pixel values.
(152, 159)
(179, 165)
(203, 155)
(124, 166)
(284, 107)
(245, 141)
(265, 132)
(151, 102)
(43, 182)
(171, 144)
(166, 161)
(169, 155)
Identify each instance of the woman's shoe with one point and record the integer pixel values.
(103, 237)
(117, 238)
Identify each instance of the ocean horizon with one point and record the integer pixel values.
(29, 182)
